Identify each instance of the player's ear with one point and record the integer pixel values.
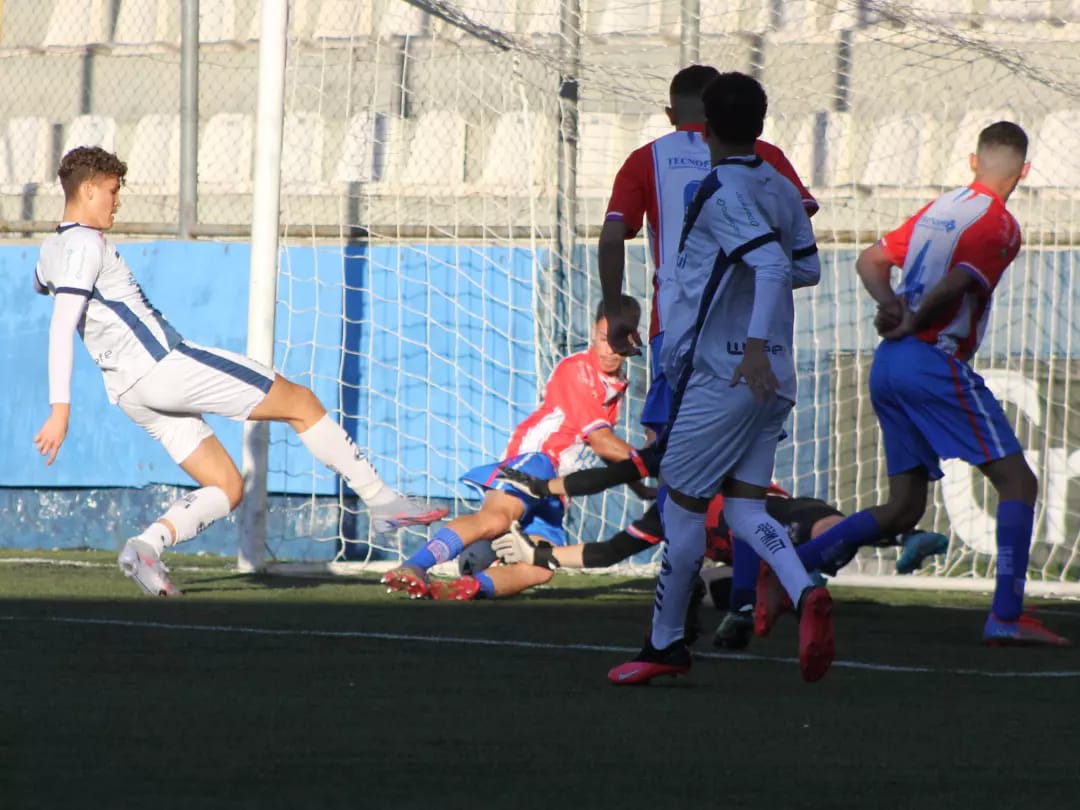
(973, 162)
(671, 116)
(1025, 169)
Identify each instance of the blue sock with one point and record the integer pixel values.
(445, 545)
(487, 587)
(839, 542)
(1014, 523)
(744, 572)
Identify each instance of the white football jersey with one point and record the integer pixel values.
(124, 334)
(745, 216)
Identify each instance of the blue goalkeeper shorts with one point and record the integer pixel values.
(543, 517)
(932, 406)
(656, 411)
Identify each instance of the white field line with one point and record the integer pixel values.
(529, 645)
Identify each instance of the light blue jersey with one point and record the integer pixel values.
(745, 220)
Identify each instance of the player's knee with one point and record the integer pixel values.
(476, 557)
(233, 488)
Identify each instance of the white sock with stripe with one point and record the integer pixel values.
(328, 442)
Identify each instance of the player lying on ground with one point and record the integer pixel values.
(572, 426)
(928, 401)
(654, 188)
(728, 313)
(805, 518)
(165, 383)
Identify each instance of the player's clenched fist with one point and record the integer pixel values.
(622, 330)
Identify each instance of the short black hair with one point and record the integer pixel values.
(1005, 133)
(85, 163)
(692, 80)
(735, 106)
(627, 304)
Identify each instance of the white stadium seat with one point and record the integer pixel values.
(27, 154)
(363, 141)
(902, 153)
(1055, 152)
(302, 151)
(343, 19)
(91, 130)
(225, 154)
(435, 157)
(76, 23)
(154, 163)
(520, 152)
(957, 170)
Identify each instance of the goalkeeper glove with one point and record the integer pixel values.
(523, 482)
(516, 547)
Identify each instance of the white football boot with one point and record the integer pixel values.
(142, 564)
(404, 511)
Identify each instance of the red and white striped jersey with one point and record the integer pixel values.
(578, 399)
(968, 228)
(657, 182)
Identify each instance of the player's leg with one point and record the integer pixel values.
(903, 378)
(1017, 489)
(494, 518)
(717, 418)
(498, 581)
(190, 442)
(328, 442)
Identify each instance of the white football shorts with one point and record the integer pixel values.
(721, 432)
(191, 380)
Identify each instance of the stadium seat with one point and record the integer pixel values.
(961, 13)
(834, 150)
(539, 16)
(520, 153)
(302, 152)
(956, 171)
(603, 145)
(225, 154)
(723, 17)
(154, 163)
(1017, 10)
(217, 20)
(145, 21)
(605, 17)
(91, 130)
(395, 18)
(27, 154)
(363, 149)
(1055, 158)
(76, 23)
(343, 19)
(434, 157)
(795, 135)
(902, 153)
(652, 127)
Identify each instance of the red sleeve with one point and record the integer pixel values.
(576, 391)
(988, 246)
(895, 243)
(630, 192)
(776, 157)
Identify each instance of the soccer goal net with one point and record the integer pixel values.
(445, 172)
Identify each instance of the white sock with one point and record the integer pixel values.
(684, 550)
(747, 519)
(328, 442)
(193, 513)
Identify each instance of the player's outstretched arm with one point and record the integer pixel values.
(68, 310)
(622, 335)
(585, 482)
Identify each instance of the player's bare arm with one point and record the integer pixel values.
(623, 336)
(875, 271)
(957, 283)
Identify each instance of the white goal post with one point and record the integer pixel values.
(443, 171)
